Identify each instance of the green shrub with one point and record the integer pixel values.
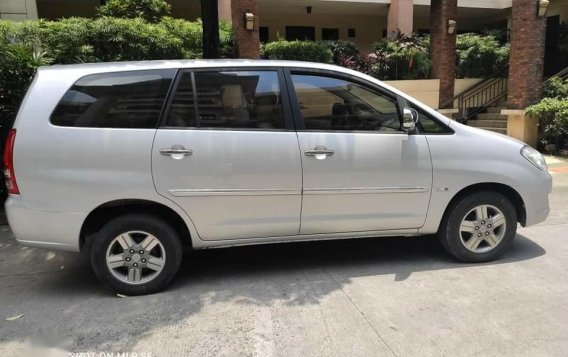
(297, 51)
(26, 45)
(555, 88)
(480, 56)
(552, 115)
(402, 57)
(149, 10)
(341, 49)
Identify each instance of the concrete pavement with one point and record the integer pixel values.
(371, 297)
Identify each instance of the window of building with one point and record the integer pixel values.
(235, 99)
(131, 99)
(328, 103)
(351, 32)
(329, 34)
(301, 33)
(263, 34)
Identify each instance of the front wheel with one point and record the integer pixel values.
(479, 227)
(136, 254)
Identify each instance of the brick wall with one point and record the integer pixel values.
(247, 43)
(527, 55)
(443, 46)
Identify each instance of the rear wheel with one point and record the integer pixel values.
(136, 254)
(479, 227)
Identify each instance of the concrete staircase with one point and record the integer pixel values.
(491, 120)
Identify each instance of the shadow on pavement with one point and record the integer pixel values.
(73, 303)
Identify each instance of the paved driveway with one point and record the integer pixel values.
(374, 297)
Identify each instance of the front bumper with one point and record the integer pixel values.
(535, 198)
(53, 230)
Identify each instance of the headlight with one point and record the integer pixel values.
(534, 157)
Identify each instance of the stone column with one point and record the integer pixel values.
(526, 62)
(443, 47)
(224, 7)
(18, 10)
(247, 42)
(400, 17)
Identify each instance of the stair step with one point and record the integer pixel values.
(495, 130)
(491, 116)
(482, 123)
(495, 109)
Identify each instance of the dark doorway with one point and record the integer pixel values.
(263, 34)
(300, 33)
(330, 34)
(554, 60)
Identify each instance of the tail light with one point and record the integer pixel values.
(9, 175)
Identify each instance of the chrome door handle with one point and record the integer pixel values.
(319, 152)
(176, 152)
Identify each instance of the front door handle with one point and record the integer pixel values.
(176, 152)
(319, 152)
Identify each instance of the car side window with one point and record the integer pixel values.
(132, 99)
(329, 103)
(429, 125)
(228, 99)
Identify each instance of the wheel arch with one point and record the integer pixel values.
(503, 189)
(106, 211)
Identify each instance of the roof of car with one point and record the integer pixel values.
(199, 63)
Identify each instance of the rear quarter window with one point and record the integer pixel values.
(132, 99)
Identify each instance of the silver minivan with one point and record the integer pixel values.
(131, 163)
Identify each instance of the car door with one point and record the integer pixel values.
(360, 171)
(231, 161)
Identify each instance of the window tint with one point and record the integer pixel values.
(428, 124)
(328, 103)
(115, 100)
(240, 99)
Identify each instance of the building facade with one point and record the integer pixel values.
(360, 21)
(533, 27)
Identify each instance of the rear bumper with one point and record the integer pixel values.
(535, 198)
(53, 230)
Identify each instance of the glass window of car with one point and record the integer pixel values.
(427, 124)
(329, 103)
(132, 99)
(229, 99)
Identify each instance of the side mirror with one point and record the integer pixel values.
(409, 119)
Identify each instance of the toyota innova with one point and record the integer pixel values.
(131, 163)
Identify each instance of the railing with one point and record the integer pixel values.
(563, 74)
(478, 97)
(482, 95)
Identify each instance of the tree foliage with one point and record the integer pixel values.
(480, 56)
(149, 10)
(298, 51)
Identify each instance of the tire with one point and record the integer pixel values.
(121, 262)
(478, 227)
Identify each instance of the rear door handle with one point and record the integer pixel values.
(319, 152)
(176, 152)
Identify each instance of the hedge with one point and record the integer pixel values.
(480, 56)
(26, 45)
(552, 115)
(297, 51)
(75, 40)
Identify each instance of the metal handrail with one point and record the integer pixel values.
(563, 74)
(478, 97)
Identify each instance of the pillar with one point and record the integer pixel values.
(400, 17)
(443, 47)
(224, 7)
(246, 42)
(18, 10)
(528, 31)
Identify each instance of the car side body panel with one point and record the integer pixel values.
(65, 173)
